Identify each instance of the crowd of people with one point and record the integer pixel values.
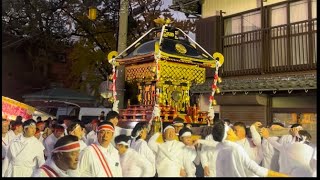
(36, 148)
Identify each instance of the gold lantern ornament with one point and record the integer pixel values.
(219, 80)
(92, 13)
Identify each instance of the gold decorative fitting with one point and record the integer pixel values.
(180, 48)
(112, 55)
(92, 13)
(219, 80)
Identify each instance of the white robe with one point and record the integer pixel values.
(90, 166)
(83, 145)
(189, 156)
(296, 158)
(313, 162)
(143, 149)
(284, 140)
(5, 145)
(233, 161)
(91, 137)
(270, 155)
(41, 173)
(135, 165)
(253, 145)
(208, 154)
(49, 143)
(23, 156)
(169, 158)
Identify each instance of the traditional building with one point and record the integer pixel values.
(270, 58)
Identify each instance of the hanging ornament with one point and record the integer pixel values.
(219, 80)
(214, 102)
(218, 90)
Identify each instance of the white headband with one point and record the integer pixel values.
(178, 123)
(123, 143)
(186, 134)
(31, 124)
(168, 127)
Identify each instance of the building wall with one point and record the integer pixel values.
(213, 7)
(245, 114)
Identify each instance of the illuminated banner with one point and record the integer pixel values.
(12, 108)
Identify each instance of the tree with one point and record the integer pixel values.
(53, 25)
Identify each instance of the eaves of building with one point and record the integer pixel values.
(261, 83)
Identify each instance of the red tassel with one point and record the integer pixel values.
(211, 98)
(216, 76)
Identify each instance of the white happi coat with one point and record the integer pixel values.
(189, 156)
(91, 137)
(296, 158)
(90, 164)
(208, 154)
(169, 158)
(135, 165)
(233, 161)
(143, 149)
(270, 155)
(23, 156)
(60, 173)
(49, 143)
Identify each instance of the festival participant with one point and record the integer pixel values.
(132, 163)
(138, 143)
(232, 159)
(169, 154)
(92, 135)
(66, 123)
(101, 159)
(5, 138)
(208, 152)
(37, 134)
(297, 155)
(51, 140)
(76, 130)
(64, 158)
(16, 130)
(113, 117)
(285, 140)
(270, 154)
(251, 145)
(292, 136)
(24, 154)
(41, 126)
(190, 155)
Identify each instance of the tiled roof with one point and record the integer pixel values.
(261, 83)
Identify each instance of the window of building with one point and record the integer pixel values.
(278, 34)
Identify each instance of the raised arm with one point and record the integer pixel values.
(256, 138)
